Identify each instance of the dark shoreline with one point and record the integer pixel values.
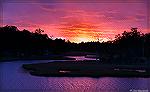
(47, 57)
(9, 59)
(86, 69)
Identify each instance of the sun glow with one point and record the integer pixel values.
(83, 39)
(88, 39)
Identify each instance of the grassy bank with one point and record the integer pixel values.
(87, 68)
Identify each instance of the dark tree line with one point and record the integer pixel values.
(24, 43)
(128, 48)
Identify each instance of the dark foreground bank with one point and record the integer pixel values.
(54, 57)
(86, 69)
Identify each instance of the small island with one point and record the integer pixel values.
(87, 68)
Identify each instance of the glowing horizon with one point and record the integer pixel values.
(78, 22)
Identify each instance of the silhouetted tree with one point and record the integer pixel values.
(39, 31)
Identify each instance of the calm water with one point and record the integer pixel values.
(14, 79)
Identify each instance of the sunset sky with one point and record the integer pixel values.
(77, 20)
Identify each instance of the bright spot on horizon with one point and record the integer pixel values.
(81, 39)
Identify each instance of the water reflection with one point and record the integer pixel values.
(104, 84)
(14, 79)
(65, 84)
(78, 58)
